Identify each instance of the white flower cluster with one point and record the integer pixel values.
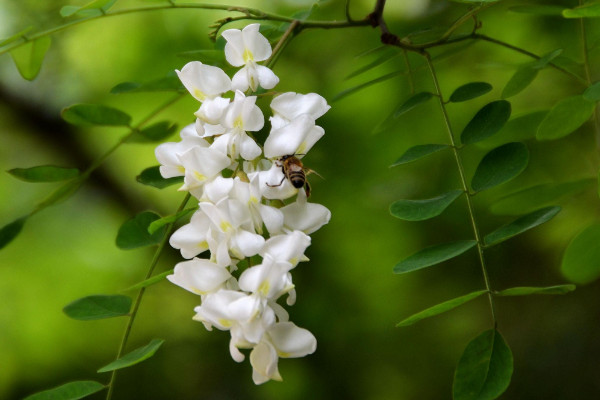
(241, 195)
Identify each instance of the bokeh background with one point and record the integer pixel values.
(347, 294)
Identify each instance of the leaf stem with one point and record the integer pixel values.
(140, 294)
(287, 36)
(465, 187)
(249, 13)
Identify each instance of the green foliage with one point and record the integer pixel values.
(150, 281)
(69, 391)
(151, 176)
(94, 8)
(532, 198)
(44, 173)
(154, 133)
(98, 307)
(136, 356)
(352, 90)
(61, 194)
(517, 129)
(10, 231)
(519, 81)
(581, 261)
(433, 255)
(419, 210)
(94, 114)
(500, 165)
(29, 57)
(524, 291)
(159, 223)
(592, 93)
(484, 369)
(412, 102)
(521, 225)
(440, 308)
(470, 91)
(539, 9)
(15, 37)
(565, 117)
(590, 10)
(417, 152)
(170, 83)
(134, 232)
(489, 120)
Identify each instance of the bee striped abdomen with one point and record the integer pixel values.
(297, 178)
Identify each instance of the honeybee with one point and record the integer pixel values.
(294, 170)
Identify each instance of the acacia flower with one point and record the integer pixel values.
(246, 48)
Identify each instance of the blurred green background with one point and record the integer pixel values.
(347, 294)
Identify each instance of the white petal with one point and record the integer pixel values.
(307, 217)
(266, 78)
(203, 163)
(248, 243)
(204, 81)
(252, 115)
(218, 189)
(272, 217)
(288, 248)
(290, 105)
(263, 359)
(287, 139)
(199, 276)
(237, 355)
(249, 150)
(256, 43)
(234, 48)
(292, 341)
(211, 111)
(191, 238)
(309, 141)
(240, 80)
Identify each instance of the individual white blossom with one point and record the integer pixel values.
(249, 217)
(246, 48)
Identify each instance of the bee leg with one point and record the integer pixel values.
(279, 184)
(307, 189)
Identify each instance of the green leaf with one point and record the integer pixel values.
(412, 102)
(517, 129)
(534, 197)
(68, 391)
(96, 6)
(136, 356)
(61, 194)
(547, 58)
(592, 93)
(488, 120)
(151, 176)
(170, 83)
(10, 231)
(440, 308)
(521, 225)
(519, 81)
(470, 91)
(500, 165)
(581, 261)
(484, 369)
(159, 223)
(525, 290)
(154, 133)
(419, 210)
(565, 117)
(433, 255)
(94, 114)
(383, 58)
(539, 9)
(150, 281)
(29, 57)
(419, 151)
(352, 90)
(134, 232)
(44, 173)
(15, 37)
(591, 10)
(98, 307)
